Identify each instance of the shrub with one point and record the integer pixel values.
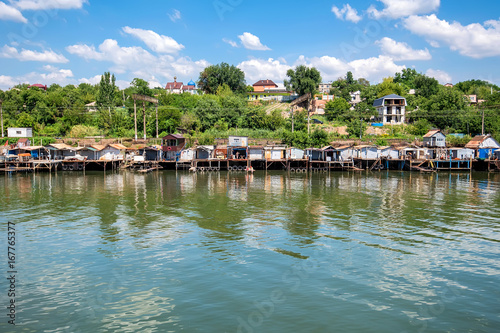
(81, 131)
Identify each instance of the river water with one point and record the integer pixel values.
(272, 252)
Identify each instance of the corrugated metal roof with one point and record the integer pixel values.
(117, 146)
(174, 136)
(431, 133)
(476, 141)
(32, 148)
(98, 147)
(60, 146)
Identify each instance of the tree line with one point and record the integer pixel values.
(222, 105)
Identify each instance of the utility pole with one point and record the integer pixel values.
(144, 115)
(135, 119)
(360, 128)
(1, 115)
(156, 107)
(482, 126)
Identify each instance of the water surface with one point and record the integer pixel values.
(272, 252)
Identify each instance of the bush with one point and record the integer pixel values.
(420, 127)
(381, 142)
(81, 131)
(455, 141)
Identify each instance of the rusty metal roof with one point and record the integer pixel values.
(431, 133)
(476, 141)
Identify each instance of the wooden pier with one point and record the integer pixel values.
(427, 165)
(493, 165)
(59, 165)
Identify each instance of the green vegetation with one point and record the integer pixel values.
(224, 110)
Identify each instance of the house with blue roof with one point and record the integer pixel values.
(391, 109)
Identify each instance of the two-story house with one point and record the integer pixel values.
(391, 109)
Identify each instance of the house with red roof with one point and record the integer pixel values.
(39, 86)
(263, 85)
(179, 87)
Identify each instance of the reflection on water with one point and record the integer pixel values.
(167, 251)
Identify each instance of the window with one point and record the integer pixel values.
(18, 132)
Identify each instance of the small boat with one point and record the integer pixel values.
(250, 169)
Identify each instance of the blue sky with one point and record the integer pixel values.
(74, 41)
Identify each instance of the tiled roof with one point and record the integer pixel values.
(174, 85)
(265, 83)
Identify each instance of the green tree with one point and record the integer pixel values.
(356, 127)
(319, 138)
(25, 120)
(303, 80)
(426, 86)
(208, 111)
(106, 90)
(407, 77)
(141, 87)
(420, 127)
(215, 75)
(388, 87)
(336, 109)
(447, 109)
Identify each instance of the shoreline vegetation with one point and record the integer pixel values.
(220, 108)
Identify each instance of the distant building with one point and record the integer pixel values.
(19, 132)
(25, 142)
(324, 88)
(263, 85)
(190, 87)
(38, 85)
(391, 109)
(485, 145)
(179, 87)
(319, 102)
(237, 141)
(355, 98)
(435, 139)
(471, 99)
(449, 85)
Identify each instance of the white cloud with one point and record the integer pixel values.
(48, 4)
(259, 69)
(29, 55)
(347, 13)
(331, 68)
(439, 75)
(55, 74)
(7, 82)
(230, 42)
(11, 14)
(93, 80)
(156, 42)
(252, 42)
(372, 69)
(109, 50)
(175, 15)
(49, 76)
(403, 8)
(401, 51)
(139, 62)
(474, 40)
